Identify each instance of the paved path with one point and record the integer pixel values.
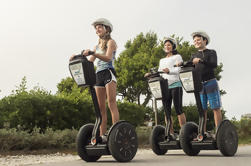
(143, 158)
(172, 158)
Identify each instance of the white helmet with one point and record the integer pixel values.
(173, 41)
(103, 21)
(203, 34)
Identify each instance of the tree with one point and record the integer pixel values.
(22, 87)
(136, 60)
(139, 56)
(66, 85)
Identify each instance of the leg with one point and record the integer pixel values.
(167, 103)
(171, 124)
(101, 95)
(215, 102)
(177, 100)
(205, 123)
(217, 117)
(182, 119)
(201, 102)
(111, 98)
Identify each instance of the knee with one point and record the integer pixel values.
(179, 112)
(111, 102)
(218, 110)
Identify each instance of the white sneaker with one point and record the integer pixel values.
(104, 138)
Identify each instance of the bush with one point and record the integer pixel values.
(57, 112)
(143, 134)
(13, 139)
(191, 113)
(17, 139)
(243, 129)
(132, 113)
(45, 110)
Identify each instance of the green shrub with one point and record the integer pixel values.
(45, 110)
(243, 128)
(132, 113)
(143, 134)
(191, 113)
(38, 108)
(17, 139)
(13, 139)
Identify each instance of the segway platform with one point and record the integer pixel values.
(172, 145)
(122, 140)
(160, 138)
(226, 136)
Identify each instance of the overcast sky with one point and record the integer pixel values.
(37, 37)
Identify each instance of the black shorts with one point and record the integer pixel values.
(175, 95)
(105, 76)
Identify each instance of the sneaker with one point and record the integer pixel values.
(200, 138)
(210, 135)
(174, 136)
(104, 138)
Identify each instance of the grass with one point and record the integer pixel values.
(13, 141)
(143, 134)
(16, 141)
(245, 140)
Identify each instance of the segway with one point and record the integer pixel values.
(192, 136)
(122, 140)
(160, 139)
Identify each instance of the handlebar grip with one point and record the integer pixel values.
(91, 52)
(77, 56)
(181, 64)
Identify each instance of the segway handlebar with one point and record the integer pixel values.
(185, 64)
(81, 55)
(154, 73)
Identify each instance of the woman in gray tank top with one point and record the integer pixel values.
(106, 82)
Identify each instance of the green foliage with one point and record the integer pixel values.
(70, 107)
(38, 107)
(243, 129)
(185, 49)
(191, 113)
(143, 134)
(132, 112)
(45, 110)
(136, 60)
(16, 139)
(66, 85)
(139, 56)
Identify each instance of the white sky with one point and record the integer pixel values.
(38, 36)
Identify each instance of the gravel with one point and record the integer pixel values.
(20, 160)
(23, 160)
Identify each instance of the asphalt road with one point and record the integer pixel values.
(172, 158)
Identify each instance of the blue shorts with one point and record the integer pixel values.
(210, 92)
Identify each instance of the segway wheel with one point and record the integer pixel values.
(157, 135)
(188, 133)
(83, 139)
(227, 138)
(123, 142)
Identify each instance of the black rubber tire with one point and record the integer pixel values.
(187, 134)
(227, 138)
(123, 142)
(157, 135)
(83, 139)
